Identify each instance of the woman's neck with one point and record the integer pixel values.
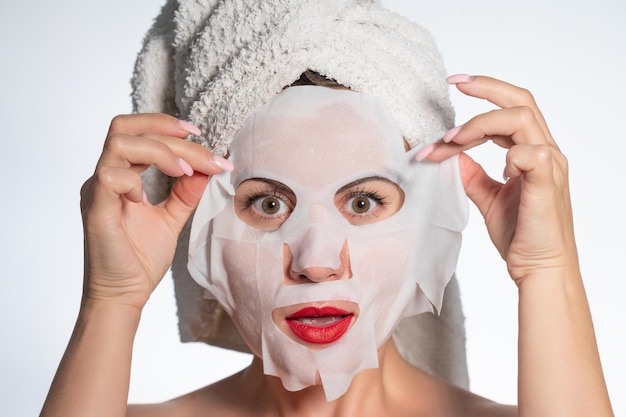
(371, 392)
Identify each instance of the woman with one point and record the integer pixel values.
(130, 245)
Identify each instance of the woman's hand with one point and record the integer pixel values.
(528, 217)
(129, 243)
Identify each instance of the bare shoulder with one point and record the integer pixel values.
(472, 405)
(212, 400)
(440, 397)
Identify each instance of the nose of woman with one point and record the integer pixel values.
(316, 273)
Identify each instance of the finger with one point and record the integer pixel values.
(479, 187)
(163, 124)
(184, 198)
(110, 183)
(518, 123)
(122, 151)
(199, 157)
(505, 127)
(502, 94)
(440, 151)
(165, 152)
(535, 162)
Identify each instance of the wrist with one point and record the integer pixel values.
(566, 276)
(109, 310)
(105, 292)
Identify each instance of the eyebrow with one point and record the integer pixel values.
(279, 185)
(362, 180)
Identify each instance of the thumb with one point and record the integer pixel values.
(184, 198)
(479, 187)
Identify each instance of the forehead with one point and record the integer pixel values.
(315, 136)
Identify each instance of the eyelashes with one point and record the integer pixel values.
(248, 200)
(371, 194)
(268, 208)
(361, 205)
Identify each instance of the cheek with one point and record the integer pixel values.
(238, 260)
(382, 263)
(239, 263)
(388, 290)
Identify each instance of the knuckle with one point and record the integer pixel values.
(493, 112)
(104, 177)
(525, 97)
(115, 143)
(119, 122)
(525, 114)
(543, 153)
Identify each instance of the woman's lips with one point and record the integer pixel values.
(319, 325)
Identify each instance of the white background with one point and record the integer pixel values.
(64, 72)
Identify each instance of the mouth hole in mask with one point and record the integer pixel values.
(318, 324)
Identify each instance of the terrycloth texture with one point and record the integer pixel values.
(215, 62)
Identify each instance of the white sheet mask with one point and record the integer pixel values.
(316, 140)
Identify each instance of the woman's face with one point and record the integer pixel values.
(313, 254)
(336, 154)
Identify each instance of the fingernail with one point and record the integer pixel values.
(185, 125)
(424, 152)
(459, 79)
(184, 165)
(450, 134)
(145, 199)
(223, 164)
(504, 175)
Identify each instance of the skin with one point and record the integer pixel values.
(130, 244)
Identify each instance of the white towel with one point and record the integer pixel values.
(214, 62)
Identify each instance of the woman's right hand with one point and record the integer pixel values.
(130, 243)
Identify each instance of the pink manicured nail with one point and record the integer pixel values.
(145, 199)
(223, 164)
(459, 79)
(187, 169)
(450, 134)
(504, 175)
(424, 152)
(185, 125)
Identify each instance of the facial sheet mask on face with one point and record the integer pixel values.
(319, 143)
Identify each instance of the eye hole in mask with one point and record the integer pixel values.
(265, 204)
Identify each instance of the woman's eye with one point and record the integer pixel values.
(270, 205)
(361, 204)
(264, 204)
(369, 200)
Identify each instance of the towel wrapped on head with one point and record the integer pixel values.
(214, 62)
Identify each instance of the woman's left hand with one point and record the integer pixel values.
(529, 219)
(529, 216)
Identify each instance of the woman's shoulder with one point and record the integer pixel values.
(184, 406)
(190, 405)
(213, 400)
(440, 397)
(472, 405)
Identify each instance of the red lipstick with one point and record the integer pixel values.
(319, 325)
